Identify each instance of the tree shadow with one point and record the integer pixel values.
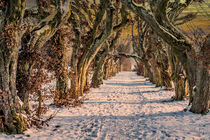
(135, 117)
(133, 84)
(113, 102)
(144, 92)
(161, 101)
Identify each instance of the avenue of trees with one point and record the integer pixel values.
(66, 40)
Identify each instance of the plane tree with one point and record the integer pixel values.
(43, 22)
(101, 29)
(184, 49)
(23, 33)
(11, 107)
(103, 58)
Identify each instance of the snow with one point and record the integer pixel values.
(125, 107)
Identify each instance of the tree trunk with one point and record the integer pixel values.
(97, 78)
(107, 69)
(33, 41)
(140, 68)
(156, 73)
(14, 119)
(98, 75)
(198, 77)
(149, 72)
(61, 68)
(96, 45)
(201, 92)
(75, 86)
(23, 81)
(75, 76)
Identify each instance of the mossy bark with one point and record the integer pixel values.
(11, 106)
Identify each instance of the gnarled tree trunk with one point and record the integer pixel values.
(14, 119)
(56, 16)
(97, 43)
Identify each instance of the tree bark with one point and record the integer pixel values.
(61, 67)
(97, 78)
(175, 70)
(14, 117)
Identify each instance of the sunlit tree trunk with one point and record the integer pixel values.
(97, 43)
(98, 75)
(161, 63)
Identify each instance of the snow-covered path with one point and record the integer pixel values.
(126, 107)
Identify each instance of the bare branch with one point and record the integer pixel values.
(178, 43)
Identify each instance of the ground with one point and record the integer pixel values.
(126, 107)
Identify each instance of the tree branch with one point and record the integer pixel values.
(180, 44)
(129, 56)
(184, 19)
